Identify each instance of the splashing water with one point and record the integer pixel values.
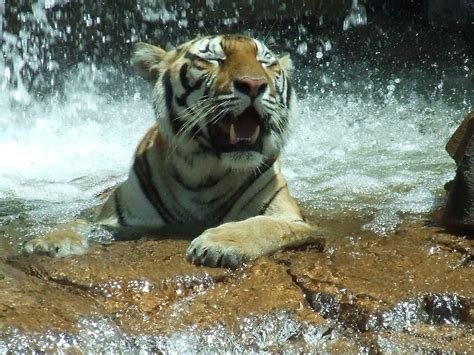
(255, 334)
(357, 16)
(366, 141)
(378, 158)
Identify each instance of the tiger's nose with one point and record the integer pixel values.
(251, 87)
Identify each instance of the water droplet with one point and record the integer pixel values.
(302, 48)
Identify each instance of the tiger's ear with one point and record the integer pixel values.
(146, 60)
(286, 62)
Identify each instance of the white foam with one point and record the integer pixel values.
(385, 158)
(48, 144)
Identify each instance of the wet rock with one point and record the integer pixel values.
(459, 210)
(426, 339)
(130, 280)
(459, 141)
(147, 291)
(409, 291)
(417, 277)
(30, 304)
(153, 260)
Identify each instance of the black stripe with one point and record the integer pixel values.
(183, 71)
(191, 56)
(233, 199)
(212, 200)
(199, 67)
(280, 91)
(256, 194)
(204, 143)
(269, 202)
(207, 47)
(181, 100)
(143, 172)
(194, 59)
(176, 123)
(168, 90)
(118, 209)
(207, 88)
(288, 92)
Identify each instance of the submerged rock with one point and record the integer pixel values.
(409, 291)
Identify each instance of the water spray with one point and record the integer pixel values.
(2, 11)
(357, 16)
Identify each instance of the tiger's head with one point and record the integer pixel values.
(228, 96)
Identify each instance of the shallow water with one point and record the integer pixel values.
(255, 334)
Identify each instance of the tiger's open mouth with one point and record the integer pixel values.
(238, 133)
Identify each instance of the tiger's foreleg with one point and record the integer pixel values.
(68, 239)
(234, 243)
(72, 238)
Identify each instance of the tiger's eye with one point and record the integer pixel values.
(218, 61)
(269, 64)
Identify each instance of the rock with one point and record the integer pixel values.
(409, 291)
(147, 288)
(459, 141)
(29, 304)
(459, 211)
(394, 288)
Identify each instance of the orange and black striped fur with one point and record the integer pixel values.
(224, 105)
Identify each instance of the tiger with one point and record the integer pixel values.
(224, 107)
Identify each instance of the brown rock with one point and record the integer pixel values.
(459, 211)
(31, 304)
(409, 291)
(457, 144)
(153, 260)
(418, 277)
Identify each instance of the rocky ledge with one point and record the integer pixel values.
(409, 291)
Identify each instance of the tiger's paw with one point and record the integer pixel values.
(219, 247)
(57, 244)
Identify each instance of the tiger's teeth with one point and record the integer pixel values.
(255, 134)
(232, 135)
